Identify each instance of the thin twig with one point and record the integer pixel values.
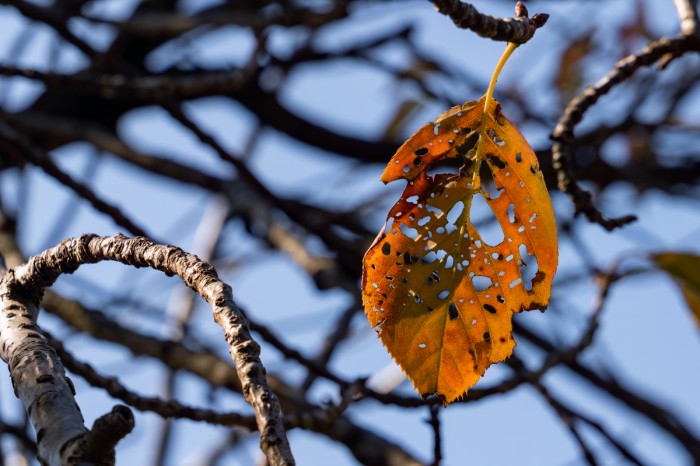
(164, 408)
(563, 134)
(18, 146)
(434, 422)
(661, 417)
(568, 420)
(50, 17)
(518, 30)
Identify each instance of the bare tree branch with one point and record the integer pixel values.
(42, 270)
(142, 89)
(688, 16)
(563, 134)
(41, 383)
(518, 30)
(19, 146)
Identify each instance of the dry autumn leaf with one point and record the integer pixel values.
(685, 270)
(439, 296)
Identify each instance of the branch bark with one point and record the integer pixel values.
(688, 15)
(40, 382)
(518, 30)
(30, 280)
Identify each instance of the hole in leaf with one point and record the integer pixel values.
(529, 267)
(498, 141)
(443, 294)
(432, 209)
(408, 231)
(452, 310)
(389, 223)
(511, 213)
(447, 165)
(430, 257)
(449, 262)
(423, 221)
(487, 183)
(480, 282)
(413, 199)
(487, 225)
(455, 212)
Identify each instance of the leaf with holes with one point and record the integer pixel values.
(440, 296)
(685, 270)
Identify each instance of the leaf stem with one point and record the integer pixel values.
(504, 58)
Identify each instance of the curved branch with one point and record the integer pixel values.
(518, 30)
(563, 134)
(42, 270)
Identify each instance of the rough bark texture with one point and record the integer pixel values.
(518, 30)
(38, 378)
(41, 271)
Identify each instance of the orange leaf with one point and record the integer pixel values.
(440, 297)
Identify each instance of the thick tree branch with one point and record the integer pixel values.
(53, 19)
(141, 89)
(40, 382)
(42, 270)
